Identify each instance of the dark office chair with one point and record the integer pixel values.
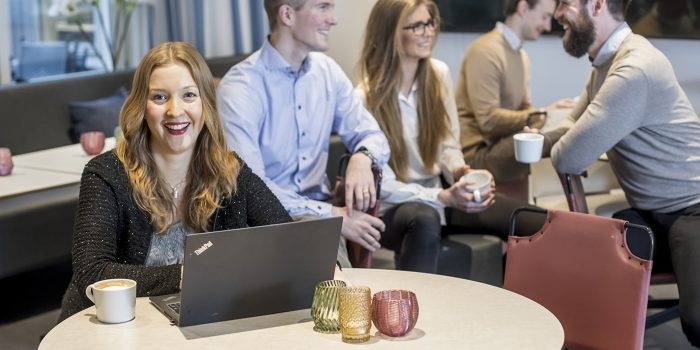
(41, 58)
(576, 198)
(579, 267)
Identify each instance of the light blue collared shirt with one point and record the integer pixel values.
(280, 120)
(511, 38)
(607, 51)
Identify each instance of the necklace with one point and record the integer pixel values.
(175, 190)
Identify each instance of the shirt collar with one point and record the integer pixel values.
(611, 45)
(411, 98)
(274, 60)
(510, 36)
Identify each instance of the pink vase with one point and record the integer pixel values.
(5, 161)
(93, 142)
(394, 312)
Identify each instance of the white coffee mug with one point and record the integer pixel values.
(528, 147)
(480, 181)
(115, 299)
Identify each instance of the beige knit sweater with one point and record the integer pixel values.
(493, 100)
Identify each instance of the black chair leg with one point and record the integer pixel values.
(661, 317)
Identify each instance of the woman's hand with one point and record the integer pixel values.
(458, 197)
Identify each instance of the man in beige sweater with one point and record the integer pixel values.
(492, 95)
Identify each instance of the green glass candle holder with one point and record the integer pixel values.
(324, 309)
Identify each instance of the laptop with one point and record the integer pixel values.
(252, 271)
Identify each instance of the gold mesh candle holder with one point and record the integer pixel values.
(355, 308)
(324, 309)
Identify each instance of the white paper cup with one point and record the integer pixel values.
(115, 299)
(528, 147)
(481, 181)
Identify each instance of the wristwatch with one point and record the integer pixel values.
(533, 116)
(366, 152)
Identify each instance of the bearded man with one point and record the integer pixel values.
(634, 109)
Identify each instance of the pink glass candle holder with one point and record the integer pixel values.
(93, 142)
(6, 164)
(394, 312)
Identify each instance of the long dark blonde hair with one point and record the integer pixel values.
(213, 169)
(381, 76)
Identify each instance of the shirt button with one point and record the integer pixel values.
(298, 180)
(303, 134)
(303, 158)
(299, 107)
(319, 207)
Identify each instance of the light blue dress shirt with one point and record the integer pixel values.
(280, 120)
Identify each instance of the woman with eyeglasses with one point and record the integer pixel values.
(411, 96)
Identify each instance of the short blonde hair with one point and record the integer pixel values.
(273, 6)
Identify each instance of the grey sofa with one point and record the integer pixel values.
(36, 115)
(36, 228)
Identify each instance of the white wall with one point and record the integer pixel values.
(346, 37)
(555, 74)
(5, 42)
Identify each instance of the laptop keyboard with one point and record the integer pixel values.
(175, 307)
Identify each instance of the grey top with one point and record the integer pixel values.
(168, 248)
(634, 109)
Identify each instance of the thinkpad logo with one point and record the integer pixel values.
(203, 248)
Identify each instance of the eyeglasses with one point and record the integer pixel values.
(419, 28)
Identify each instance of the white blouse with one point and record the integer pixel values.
(422, 185)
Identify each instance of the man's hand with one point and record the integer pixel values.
(459, 198)
(531, 130)
(563, 103)
(361, 228)
(360, 193)
(547, 144)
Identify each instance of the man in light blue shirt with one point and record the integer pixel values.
(279, 108)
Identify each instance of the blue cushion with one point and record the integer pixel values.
(96, 115)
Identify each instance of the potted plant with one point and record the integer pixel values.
(114, 37)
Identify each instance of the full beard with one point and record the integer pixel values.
(580, 36)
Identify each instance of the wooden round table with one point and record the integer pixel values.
(454, 313)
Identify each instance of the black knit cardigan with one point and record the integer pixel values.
(112, 236)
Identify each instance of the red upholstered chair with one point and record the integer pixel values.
(579, 268)
(576, 199)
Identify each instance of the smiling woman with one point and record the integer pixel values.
(137, 202)
(173, 112)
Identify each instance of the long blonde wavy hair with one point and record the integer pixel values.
(380, 75)
(213, 170)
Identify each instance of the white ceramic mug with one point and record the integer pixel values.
(528, 147)
(480, 181)
(115, 299)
